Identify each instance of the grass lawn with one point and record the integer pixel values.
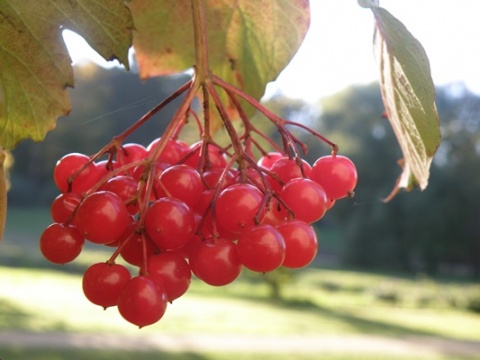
(37, 297)
(41, 354)
(48, 300)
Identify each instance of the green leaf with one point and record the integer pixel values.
(250, 42)
(35, 68)
(409, 96)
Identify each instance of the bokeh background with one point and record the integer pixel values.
(391, 280)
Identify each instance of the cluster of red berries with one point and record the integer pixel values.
(170, 219)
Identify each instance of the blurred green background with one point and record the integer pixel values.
(407, 270)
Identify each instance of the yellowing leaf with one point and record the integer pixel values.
(35, 68)
(409, 96)
(249, 42)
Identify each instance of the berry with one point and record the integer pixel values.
(63, 206)
(131, 152)
(60, 243)
(209, 209)
(337, 175)
(70, 165)
(142, 301)
(172, 271)
(261, 248)
(102, 283)
(216, 262)
(269, 159)
(300, 243)
(102, 217)
(169, 223)
(237, 206)
(305, 198)
(182, 182)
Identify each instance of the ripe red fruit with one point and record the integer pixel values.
(61, 243)
(134, 246)
(269, 159)
(275, 213)
(337, 175)
(237, 206)
(261, 248)
(300, 242)
(215, 157)
(287, 169)
(142, 301)
(212, 177)
(102, 217)
(172, 271)
(126, 188)
(64, 205)
(69, 165)
(173, 151)
(170, 223)
(216, 262)
(130, 152)
(305, 198)
(181, 182)
(102, 283)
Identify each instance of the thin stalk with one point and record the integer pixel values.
(202, 71)
(277, 120)
(3, 192)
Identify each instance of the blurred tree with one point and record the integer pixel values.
(105, 102)
(430, 231)
(435, 230)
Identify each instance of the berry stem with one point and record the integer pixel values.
(277, 120)
(202, 71)
(3, 193)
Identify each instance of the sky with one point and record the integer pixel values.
(337, 51)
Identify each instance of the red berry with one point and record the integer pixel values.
(131, 152)
(126, 188)
(217, 262)
(134, 246)
(69, 165)
(102, 217)
(287, 169)
(237, 206)
(300, 243)
(337, 175)
(173, 151)
(172, 271)
(142, 301)
(269, 159)
(63, 206)
(181, 182)
(305, 198)
(102, 283)
(169, 223)
(261, 248)
(215, 157)
(60, 243)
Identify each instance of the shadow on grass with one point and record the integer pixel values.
(357, 323)
(11, 353)
(15, 318)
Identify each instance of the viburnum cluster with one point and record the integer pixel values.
(173, 209)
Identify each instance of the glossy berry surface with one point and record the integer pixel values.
(102, 217)
(237, 206)
(301, 243)
(102, 283)
(261, 248)
(61, 243)
(217, 262)
(336, 174)
(142, 301)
